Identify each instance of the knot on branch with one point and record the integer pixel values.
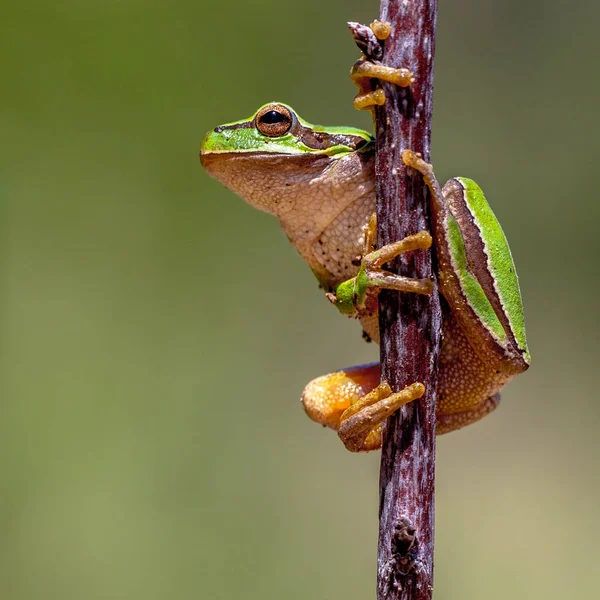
(403, 538)
(404, 558)
(366, 40)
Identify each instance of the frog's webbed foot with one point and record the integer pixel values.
(364, 70)
(356, 295)
(382, 279)
(361, 423)
(369, 67)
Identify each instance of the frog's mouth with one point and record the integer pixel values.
(236, 164)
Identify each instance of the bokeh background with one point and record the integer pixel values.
(156, 332)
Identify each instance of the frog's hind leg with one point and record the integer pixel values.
(448, 423)
(355, 404)
(468, 385)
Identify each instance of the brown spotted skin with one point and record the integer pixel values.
(465, 380)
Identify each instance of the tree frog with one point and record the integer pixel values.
(320, 184)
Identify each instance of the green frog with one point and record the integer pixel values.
(320, 184)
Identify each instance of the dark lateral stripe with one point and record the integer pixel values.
(321, 140)
(475, 247)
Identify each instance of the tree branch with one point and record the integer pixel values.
(410, 324)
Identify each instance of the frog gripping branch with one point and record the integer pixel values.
(321, 183)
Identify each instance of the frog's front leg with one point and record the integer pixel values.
(355, 404)
(358, 295)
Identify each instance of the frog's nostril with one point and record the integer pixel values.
(218, 129)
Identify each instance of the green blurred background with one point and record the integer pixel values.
(156, 332)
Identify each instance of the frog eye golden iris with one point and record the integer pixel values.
(274, 120)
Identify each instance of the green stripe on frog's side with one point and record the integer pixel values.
(304, 138)
(470, 286)
(499, 263)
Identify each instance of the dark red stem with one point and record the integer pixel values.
(410, 324)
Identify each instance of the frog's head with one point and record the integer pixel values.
(269, 157)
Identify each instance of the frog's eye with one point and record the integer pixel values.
(274, 120)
